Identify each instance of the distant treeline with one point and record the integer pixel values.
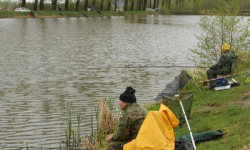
(166, 6)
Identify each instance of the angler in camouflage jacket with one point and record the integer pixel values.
(129, 122)
(223, 66)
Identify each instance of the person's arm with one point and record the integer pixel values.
(123, 130)
(108, 138)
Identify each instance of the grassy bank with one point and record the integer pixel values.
(226, 110)
(66, 14)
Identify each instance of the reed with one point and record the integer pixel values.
(27, 146)
(68, 131)
(106, 124)
(73, 137)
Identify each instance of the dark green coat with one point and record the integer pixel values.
(129, 125)
(224, 66)
(225, 62)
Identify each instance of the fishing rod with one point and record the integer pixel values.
(224, 76)
(135, 67)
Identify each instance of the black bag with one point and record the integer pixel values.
(185, 143)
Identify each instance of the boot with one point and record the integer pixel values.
(211, 87)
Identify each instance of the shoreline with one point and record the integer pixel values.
(93, 14)
(68, 14)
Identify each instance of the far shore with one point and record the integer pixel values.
(67, 14)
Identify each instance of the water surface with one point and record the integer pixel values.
(45, 63)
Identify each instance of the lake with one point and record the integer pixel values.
(47, 63)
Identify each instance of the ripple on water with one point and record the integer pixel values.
(40, 73)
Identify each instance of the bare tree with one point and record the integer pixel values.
(93, 5)
(132, 5)
(126, 5)
(179, 2)
(157, 3)
(35, 5)
(86, 5)
(144, 5)
(66, 5)
(115, 5)
(168, 2)
(77, 5)
(23, 3)
(41, 5)
(162, 3)
(101, 5)
(154, 5)
(139, 2)
(54, 4)
(109, 5)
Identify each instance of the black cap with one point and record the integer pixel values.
(128, 95)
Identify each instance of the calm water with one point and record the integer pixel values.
(44, 64)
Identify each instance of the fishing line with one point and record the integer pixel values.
(138, 67)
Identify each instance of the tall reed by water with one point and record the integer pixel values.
(73, 138)
(107, 123)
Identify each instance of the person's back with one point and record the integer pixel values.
(129, 122)
(225, 63)
(132, 118)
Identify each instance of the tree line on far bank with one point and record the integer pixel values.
(166, 6)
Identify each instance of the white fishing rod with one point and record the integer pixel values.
(134, 67)
(190, 132)
(185, 116)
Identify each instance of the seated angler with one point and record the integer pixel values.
(223, 67)
(130, 121)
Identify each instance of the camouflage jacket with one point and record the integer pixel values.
(225, 61)
(129, 123)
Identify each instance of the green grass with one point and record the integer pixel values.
(48, 14)
(226, 110)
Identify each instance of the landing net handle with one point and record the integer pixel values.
(180, 102)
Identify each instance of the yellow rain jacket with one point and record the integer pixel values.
(156, 132)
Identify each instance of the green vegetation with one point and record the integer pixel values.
(106, 124)
(223, 26)
(166, 6)
(226, 110)
(56, 14)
